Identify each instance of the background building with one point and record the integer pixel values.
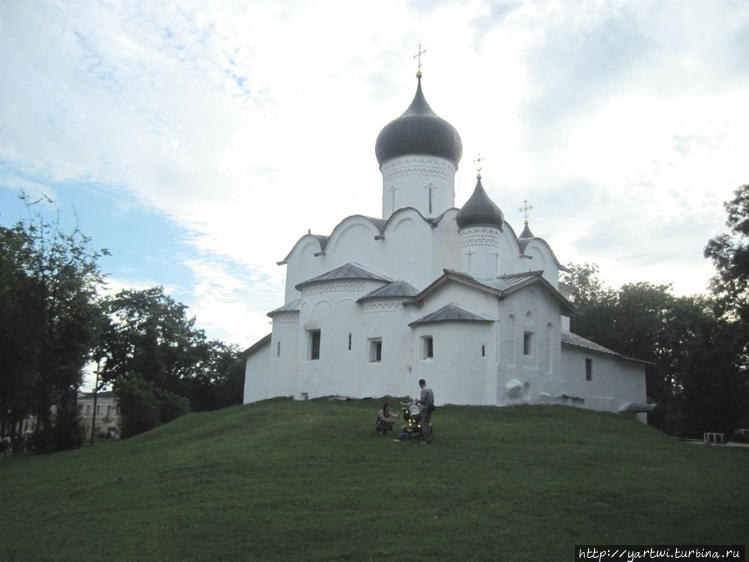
(107, 414)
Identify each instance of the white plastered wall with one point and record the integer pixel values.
(408, 180)
(615, 381)
(528, 378)
(256, 375)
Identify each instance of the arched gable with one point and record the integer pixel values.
(543, 258)
(408, 218)
(314, 241)
(302, 262)
(407, 246)
(354, 234)
(375, 226)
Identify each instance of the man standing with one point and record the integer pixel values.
(426, 401)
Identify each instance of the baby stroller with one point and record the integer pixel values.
(412, 418)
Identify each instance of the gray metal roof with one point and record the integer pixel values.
(265, 340)
(419, 131)
(396, 289)
(514, 281)
(347, 271)
(291, 306)
(578, 341)
(450, 313)
(499, 287)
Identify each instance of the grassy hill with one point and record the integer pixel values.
(310, 480)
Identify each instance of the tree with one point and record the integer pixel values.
(50, 318)
(729, 253)
(139, 407)
(152, 352)
(221, 382)
(18, 311)
(691, 352)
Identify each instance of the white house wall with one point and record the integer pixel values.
(408, 247)
(533, 311)
(405, 180)
(284, 355)
(509, 253)
(473, 363)
(615, 382)
(445, 245)
(458, 373)
(257, 373)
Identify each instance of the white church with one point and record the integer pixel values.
(428, 290)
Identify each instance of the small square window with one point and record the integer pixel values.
(588, 369)
(528, 343)
(375, 350)
(427, 347)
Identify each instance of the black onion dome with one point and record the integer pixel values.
(480, 210)
(419, 131)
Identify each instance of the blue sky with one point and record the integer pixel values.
(198, 142)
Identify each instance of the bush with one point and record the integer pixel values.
(144, 406)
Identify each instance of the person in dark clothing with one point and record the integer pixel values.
(426, 401)
(385, 417)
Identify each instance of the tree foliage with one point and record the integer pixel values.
(50, 317)
(52, 322)
(691, 352)
(729, 253)
(221, 383)
(160, 364)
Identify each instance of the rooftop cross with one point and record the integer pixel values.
(418, 56)
(525, 209)
(477, 161)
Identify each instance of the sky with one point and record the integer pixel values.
(197, 141)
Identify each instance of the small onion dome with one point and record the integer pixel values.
(527, 232)
(419, 131)
(480, 210)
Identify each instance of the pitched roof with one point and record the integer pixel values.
(501, 287)
(346, 271)
(450, 313)
(456, 276)
(395, 289)
(578, 341)
(291, 306)
(265, 340)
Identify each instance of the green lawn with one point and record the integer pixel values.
(311, 481)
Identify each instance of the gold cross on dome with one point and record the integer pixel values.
(477, 161)
(418, 56)
(525, 209)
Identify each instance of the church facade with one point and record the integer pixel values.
(428, 290)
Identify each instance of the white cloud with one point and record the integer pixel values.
(249, 123)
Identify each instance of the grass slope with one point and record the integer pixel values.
(310, 480)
